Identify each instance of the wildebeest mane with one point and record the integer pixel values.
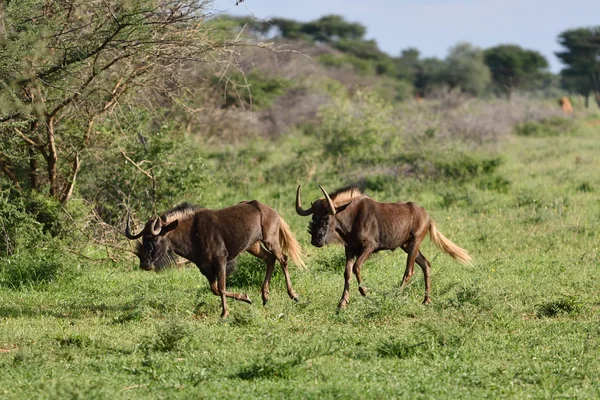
(346, 194)
(179, 212)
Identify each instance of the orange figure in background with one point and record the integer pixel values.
(566, 105)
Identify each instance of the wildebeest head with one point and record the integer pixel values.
(323, 224)
(154, 250)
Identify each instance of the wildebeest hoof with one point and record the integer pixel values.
(427, 301)
(362, 290)
(295, 299)
(265, 301)
(224, 314)
(244, 297)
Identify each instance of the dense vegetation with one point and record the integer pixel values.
(137, 106)
(500, 69)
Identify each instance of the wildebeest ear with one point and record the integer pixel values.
(170, 227)
(339, 209)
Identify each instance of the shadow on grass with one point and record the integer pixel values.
(569, 305)
(272, 366)
(127, 311)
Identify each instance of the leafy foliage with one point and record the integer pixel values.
(152, 169)
(359, 128)
(35, 267)
(252, 89)
(466, 69)
(67, 64)
(581, 54)
(513, 67)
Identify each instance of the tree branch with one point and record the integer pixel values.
(135, 164)
(68, 191)
(148, 174)
(29, 141)
(7, 169)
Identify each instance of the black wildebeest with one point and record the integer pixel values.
(366, 226)
(212, 239)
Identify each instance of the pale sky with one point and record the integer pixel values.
(433, 26)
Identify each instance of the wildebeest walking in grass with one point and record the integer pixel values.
(212, 239)
(366, 226)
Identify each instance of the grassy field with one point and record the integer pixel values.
(523, 322)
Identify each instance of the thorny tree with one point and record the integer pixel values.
(66, 63)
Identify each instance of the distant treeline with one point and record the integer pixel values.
(501, 69)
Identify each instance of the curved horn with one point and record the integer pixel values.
(128, 230)
(156, 227)
(299, 208)
(332, 209)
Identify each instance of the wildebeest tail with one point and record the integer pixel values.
(290, 245)
(448, 247)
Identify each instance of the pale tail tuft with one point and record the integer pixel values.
(448, 247)
(290, 245)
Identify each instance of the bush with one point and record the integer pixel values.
(36, 267)
(463, 166)
(358, 129)
(495, 183)
(25, 219)
(552, 126)
(360, 66)
(165, 152)
(30, 245)
(252, 89)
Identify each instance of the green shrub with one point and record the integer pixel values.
(25, 219)
(253, 88)
(35, 267)
(172, 157)
(360, 66)
(463, 166)
(495, 183)
(553, 126)
(358, 129)
(585, 187)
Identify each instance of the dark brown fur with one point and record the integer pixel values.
(366, 226)
(212, 239)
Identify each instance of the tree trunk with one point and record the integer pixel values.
(52, 158)
(68, 191)
(587, 100)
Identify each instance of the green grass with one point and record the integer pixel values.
(521, 323)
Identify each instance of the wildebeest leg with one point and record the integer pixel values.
(412, 249)
(408, 272)
(257, 251)
(221, 276)
(350, 266)
(275, 248)
(237, 296)
(350, 257)
(426, 267)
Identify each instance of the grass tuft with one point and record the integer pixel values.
(569, 305)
